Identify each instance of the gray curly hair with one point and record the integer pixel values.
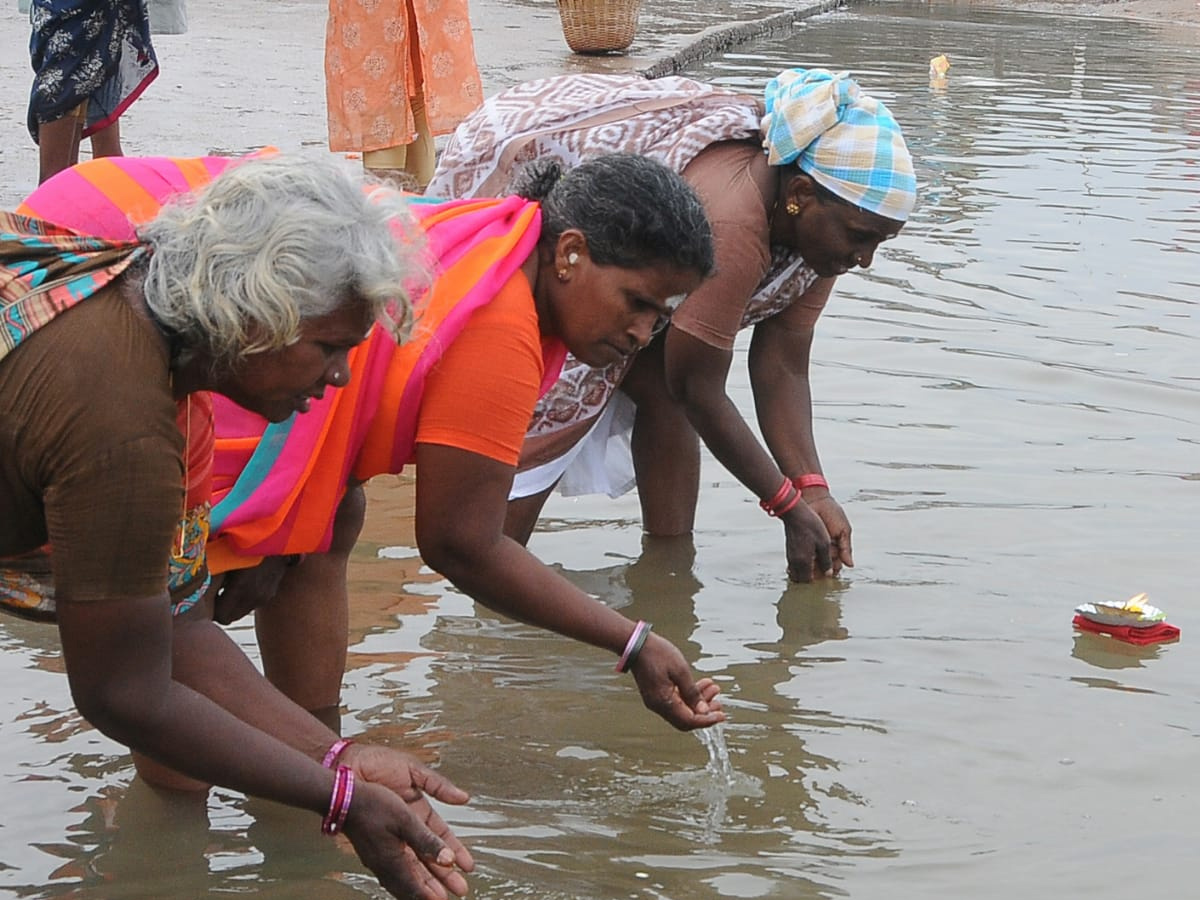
(236, 267)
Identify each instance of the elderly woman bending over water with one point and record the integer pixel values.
(800, 186)
(257, 288)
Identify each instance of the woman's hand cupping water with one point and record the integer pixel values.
(414, 783)
(665, 681)
(807, 544)
(410, 861)
(836, 523)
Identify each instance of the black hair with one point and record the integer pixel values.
(634, 211)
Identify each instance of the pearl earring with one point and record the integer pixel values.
(793, 209)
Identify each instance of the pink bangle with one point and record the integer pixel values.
(780, 496)
(634, 645)
(348, 796)
(812, 479)
(783, 509)
(334, 751)
(339, 801)
(779, 508)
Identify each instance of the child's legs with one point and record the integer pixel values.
(107, 141)
(58, 142)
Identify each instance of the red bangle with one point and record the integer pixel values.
(780, 496)
(783, 509)
(779, 507)
(813, 479)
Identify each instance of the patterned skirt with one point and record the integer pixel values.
(84, 51)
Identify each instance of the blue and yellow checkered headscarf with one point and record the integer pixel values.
(846, 141)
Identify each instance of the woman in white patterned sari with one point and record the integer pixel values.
(835, 180)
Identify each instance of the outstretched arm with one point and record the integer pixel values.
(695, 377)
(120, 665)
(461, 499)
(779, 375)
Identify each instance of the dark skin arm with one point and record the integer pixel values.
(301, 608)
(780, 351)
(119, 662)
(461, 504)
(302, 626)
(695, 376)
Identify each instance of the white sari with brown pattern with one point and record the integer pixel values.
(573, 118)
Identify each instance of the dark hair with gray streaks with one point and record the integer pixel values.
(236, 267)
(634, 211)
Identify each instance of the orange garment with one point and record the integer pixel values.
(477, 397)
(379, 54)
(468, 377)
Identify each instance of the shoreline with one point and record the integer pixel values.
(238, 80)
(1185, 13)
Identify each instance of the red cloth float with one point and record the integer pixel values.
(1159, 633)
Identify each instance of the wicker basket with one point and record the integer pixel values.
(598, 26)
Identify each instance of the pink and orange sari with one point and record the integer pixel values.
(275, 487)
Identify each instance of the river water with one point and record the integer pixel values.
(1008, 406)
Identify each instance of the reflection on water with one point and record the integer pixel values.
(1007, 406)
(596, 788)
(1106, 653)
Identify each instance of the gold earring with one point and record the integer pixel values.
(562, 274)
(793, 208)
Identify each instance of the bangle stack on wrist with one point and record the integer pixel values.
(339, 801)
(785, 498)
(810, 480)
(634, 645)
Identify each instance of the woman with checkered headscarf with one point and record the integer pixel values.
(801, 184)
(846, 142)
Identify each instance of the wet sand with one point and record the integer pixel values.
(1185, 13)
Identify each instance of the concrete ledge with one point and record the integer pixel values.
(720, 38)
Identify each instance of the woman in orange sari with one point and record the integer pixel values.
(593, 266)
